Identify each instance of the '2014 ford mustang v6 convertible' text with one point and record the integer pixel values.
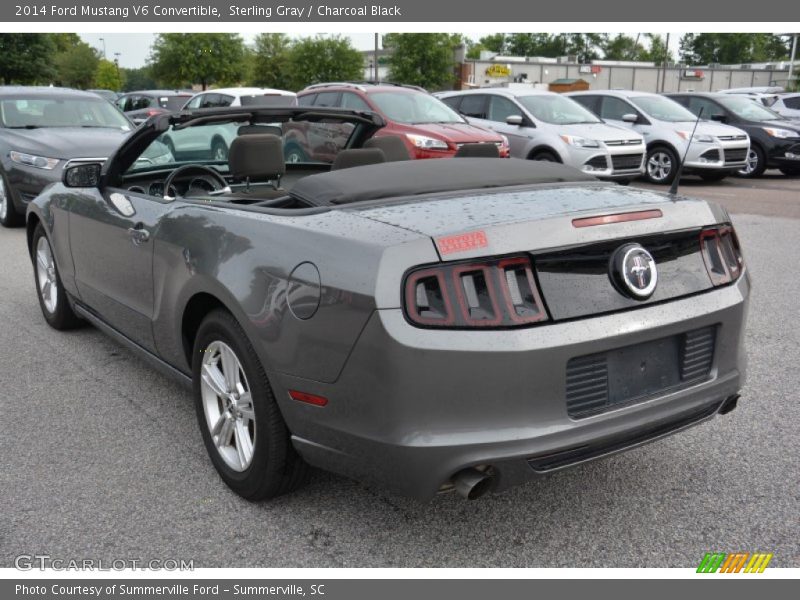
(427, 325)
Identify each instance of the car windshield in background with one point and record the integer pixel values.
(663, 109)
(266, 100)
(747, 108)
(173, 103)
(414, 108)
(556, 109)
(32, 113)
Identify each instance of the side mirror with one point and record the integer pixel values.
(630, 118)
(83, 175)
(719, 117)
(514, 120)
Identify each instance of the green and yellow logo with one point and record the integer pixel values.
(744, 562)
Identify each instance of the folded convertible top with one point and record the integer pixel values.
(414, 177)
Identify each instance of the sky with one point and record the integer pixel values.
(134, 48)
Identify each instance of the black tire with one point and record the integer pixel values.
(658, 174)
(275, 467)
(294, 154)
(545, 156)
(60, 315)
(714, 175)
(790, 170)
(9, 215)
(759, 165)
(219, 149)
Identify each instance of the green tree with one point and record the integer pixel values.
(26, 58)
(623, 47)
(537, 44)
(186, 58)
(318, 59)
(108, 76)
(733, 48)
(658, 51)
(495, 42)
(270, 61)
(76, 66)
(423, 59)
(138, 79)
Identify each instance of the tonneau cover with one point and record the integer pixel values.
(414, 177)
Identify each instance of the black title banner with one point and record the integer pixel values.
(440, 11)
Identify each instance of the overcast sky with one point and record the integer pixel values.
(134, 48)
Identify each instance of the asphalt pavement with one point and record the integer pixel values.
(102, 457)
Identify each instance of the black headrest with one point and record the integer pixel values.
(358, 157)
(393, 147)
(486, 150)
(256, 157)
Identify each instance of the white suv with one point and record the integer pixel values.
(715, 151)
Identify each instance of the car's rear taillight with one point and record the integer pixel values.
(721, 254)
(492, 293)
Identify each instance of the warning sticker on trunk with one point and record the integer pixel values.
(462, 242)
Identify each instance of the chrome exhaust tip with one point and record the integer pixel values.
(472, 483)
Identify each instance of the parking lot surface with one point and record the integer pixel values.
(102, 457)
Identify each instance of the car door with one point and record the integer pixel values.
(519, 136)
(111, 240)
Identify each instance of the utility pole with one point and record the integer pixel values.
(791, 60)
(375, 58)
(104, 47)
(664, 64)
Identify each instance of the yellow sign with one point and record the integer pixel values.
(498, 71)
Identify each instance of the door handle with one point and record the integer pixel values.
(139, 235)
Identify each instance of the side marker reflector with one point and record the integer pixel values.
(308, 398)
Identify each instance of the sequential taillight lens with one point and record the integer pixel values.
(492, 293)
(721, 254)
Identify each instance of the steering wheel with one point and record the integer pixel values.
(219, 183)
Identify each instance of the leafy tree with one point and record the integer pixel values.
(26, 58)
(65, 41)
(733, 48)
(537, 44)
(138, 79)
(318, 59)
(658, 51)
(108, 76)
(270, 61)
(495, 42)
(586, 46)
(76, 66)
(423, 59)
(186, 58)
(623, 47)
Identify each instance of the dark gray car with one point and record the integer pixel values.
(42, 129)
(427, 325)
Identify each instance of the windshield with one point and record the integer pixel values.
(173, 102)
(557, 110)
(749, 109)
(414, 108)
(663, 109)
(32, 113)
(210, 143)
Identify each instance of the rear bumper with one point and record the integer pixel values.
(412, 407)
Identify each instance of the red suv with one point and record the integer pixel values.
(429, 127)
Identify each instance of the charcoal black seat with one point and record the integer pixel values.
(393, 147)
(358, 157)
(258, 158)
(485, 150)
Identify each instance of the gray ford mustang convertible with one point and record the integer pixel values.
(427, 325)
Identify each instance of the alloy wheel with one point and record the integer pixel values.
(46, 275)
(659, 166)
(751, 164)
(3, 200)
(228, 405)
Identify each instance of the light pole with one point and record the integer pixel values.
(104, 47)
(116, 64)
